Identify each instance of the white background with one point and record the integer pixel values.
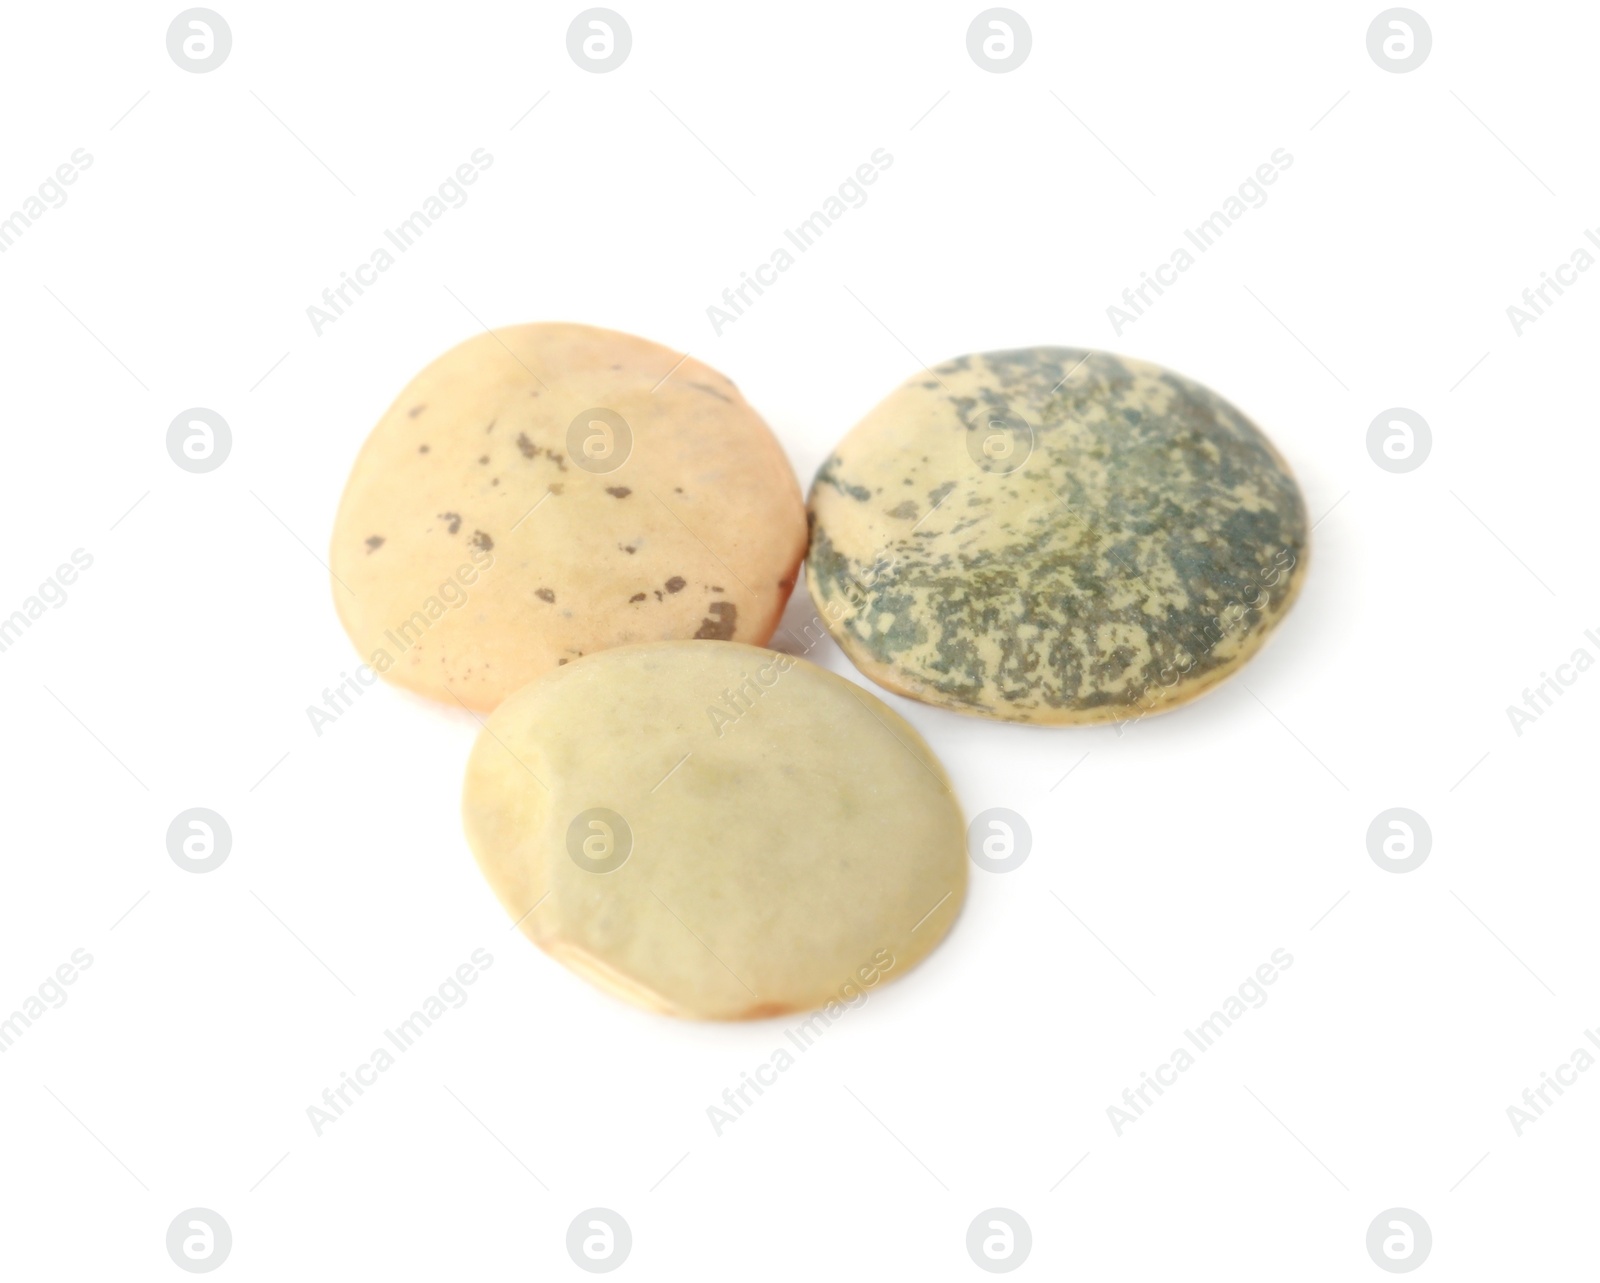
(1168, 865)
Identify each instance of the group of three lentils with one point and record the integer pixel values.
(592, 539)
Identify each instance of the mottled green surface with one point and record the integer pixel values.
(1136, 545)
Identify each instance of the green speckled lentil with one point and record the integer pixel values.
(1052, 535)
